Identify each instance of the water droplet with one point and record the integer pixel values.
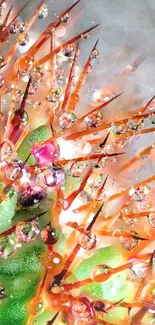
(7, 150)
(37, 74)
(45, 153)
(24, 64)
(98, 305)
(152, 118)
(88, 241)
(18, 96)
(94, 55)
(22, 27)
(1, 60)
(130, 221)
(59, 74)
(36, 306)
(118, 128)
(43, 12)
(37, 106)
(69, 51)
(66, 18)
(2, 8)
(81, 308)
(94, 120)
(31, 195)
(49, 235)
(13, 170)
(134, 124)
(67, 119)
(8, 246)
(54, 95)
(142, 193)
(101, 163)
(139, 269)
(54, 262)
(19, 118)
(99, 271)
(24, 41)
(151, 219)
(29, 101)
(14, 28)
(89, 68)
(129, 243)
(77, 169)
(51, 179)
(85, 36)
(35, 321)
(1, 81)
(2, 292)
(32, 88)
(27, 231)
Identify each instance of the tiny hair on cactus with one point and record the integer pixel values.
(77, 222)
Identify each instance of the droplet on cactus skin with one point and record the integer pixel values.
(67, 119)
(27, 231)
(88, 241)
(8, 246)
(46, 153)
(49, 235)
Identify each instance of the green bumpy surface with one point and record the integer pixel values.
(20, 275)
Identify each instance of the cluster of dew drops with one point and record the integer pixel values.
(36, 182)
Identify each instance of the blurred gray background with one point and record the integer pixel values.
(126, 31)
